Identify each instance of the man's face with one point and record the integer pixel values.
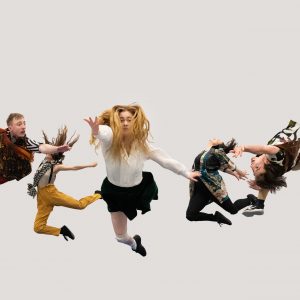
(17, 127)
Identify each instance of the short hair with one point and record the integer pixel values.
(13, 116)
(272, 178)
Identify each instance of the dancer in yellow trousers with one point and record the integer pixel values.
(47, 194)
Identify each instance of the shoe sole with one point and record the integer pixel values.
(252, 213)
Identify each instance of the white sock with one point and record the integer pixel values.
(126, 239)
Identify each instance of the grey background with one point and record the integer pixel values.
(200, 69)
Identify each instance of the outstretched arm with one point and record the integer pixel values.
(167, 162)
(50, 149)
(228, 166)
(58, 168)
(237, 173)
(255, 149)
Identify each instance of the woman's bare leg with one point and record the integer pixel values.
(119, 222)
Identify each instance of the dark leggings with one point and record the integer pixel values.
(202, 196)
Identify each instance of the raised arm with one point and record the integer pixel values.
(102, 133)
(94, 124)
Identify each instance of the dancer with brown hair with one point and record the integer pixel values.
(124, 143)
(47, 194)
(272, 161)
(211, 186)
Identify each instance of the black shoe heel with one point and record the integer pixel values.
(66, 232)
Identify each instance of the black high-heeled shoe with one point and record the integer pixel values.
(221, 219)
(66, 232)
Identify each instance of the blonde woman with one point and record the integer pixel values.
(122, 134)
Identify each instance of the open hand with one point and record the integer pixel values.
(242, 174)
(94, 124)
(63, 148)
(194, 175)
(237, 151)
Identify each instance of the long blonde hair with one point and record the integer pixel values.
(140, 128)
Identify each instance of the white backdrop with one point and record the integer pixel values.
(200, 69)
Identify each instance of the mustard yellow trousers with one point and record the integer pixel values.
(47, 198)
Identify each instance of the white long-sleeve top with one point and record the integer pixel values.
(127, 172)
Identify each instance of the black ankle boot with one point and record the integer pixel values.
(139, 247)
(221, 219)
(66, 232)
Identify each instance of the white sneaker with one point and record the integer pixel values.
(253, 210)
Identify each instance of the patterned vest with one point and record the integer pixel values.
(291, 157)
(15, 159)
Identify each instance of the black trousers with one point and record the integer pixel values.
(202, 197)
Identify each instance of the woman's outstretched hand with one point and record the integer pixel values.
(241, 174)
(237, 151)
(94, 124)
(194, 175)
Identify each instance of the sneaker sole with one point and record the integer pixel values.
(252, 213)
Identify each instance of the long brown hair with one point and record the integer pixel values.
(61, 139)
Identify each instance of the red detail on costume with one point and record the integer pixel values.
(3, 180)
(20, 151)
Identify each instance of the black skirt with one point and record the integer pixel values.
(130, 199)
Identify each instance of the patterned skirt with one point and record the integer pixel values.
(288, 139)
(288, 134)
(129, 200)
